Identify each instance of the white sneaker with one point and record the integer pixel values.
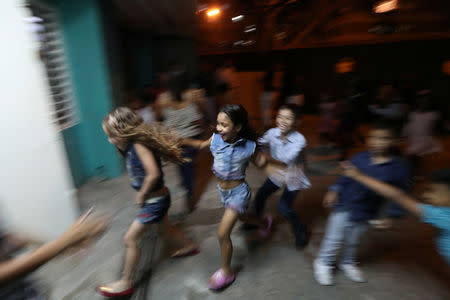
(323, 273)
(352, 272)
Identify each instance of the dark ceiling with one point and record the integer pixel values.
(286, 24)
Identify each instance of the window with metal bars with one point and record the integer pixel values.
(44, 23)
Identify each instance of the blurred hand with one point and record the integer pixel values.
(349, 170)
(260, 160)
(330, 198)
(140, 200)
(84, 230)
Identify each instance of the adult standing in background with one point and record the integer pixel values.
(181, 109)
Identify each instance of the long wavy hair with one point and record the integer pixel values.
(124, 124)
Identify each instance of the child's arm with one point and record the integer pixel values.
(78, 232)
(259, 159)
(151, 169)
(198, 144)
(387, 190)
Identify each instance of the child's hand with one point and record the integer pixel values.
(83, 230)
(260, 160)
(349, 170)
(139, 200)
(330, 198)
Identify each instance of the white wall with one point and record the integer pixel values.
(36, 192)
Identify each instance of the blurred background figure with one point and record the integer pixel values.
(389, 104)
(205, 82)
(181, 109)
(420, 130)
(328, 122)
(297, 95)
(227, 83)
(350, 108)
(268, 96)
(141, 107)
(157, 87)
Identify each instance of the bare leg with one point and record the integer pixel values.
(132, 255)
(178, 235)
(226, 247)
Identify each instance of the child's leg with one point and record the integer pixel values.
(132, 254)
(286, 210)
(352, 239)
(226, 226)
(263, 193)
(178, 235)
(334, 237)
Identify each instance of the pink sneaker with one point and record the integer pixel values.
(219, 280)
(264, 233)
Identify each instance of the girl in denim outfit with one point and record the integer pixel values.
(233, 146)
(142, 145)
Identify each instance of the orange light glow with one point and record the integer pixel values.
(446, 67)
(213, 12)
(345, 65)
(385, 6)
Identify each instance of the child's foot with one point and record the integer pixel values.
(352, 272)
(323, 273)
(220, 280)
(115, 289)
(189, 250)
(264, 233)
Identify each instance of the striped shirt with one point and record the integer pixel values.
(185, 121)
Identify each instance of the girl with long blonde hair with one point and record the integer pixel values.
(142, 147)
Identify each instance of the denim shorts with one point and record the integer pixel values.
(236, 198)
(154, 210)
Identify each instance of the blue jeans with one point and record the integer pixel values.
(284, 205)
(341, 233)
(187, 172)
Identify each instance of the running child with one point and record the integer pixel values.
(436, 210)
(286, 147)
(355, 205)
(233, 147)
(142, 146)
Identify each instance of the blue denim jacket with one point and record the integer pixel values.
(363, 203)
(136, 170)
(231, 160)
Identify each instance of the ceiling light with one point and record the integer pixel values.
(385, 6)
(237, 18)
(213, 12)
(250, 28)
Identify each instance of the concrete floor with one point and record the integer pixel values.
(400, 263)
